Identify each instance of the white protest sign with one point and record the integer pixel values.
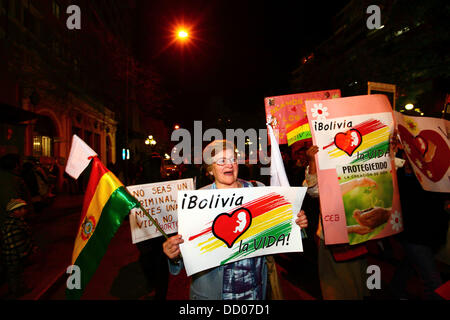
(160, 201)
(79, 157)
(226, 225)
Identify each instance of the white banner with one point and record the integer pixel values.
(160, 201)
(226, 225)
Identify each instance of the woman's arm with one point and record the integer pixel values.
(311, 173)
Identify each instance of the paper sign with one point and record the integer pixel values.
(353, 136)
(227, 225)
(427, 147)
(289, 112)
(160, 201)
(79, 157)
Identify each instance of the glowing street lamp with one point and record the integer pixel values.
(182, 34)
(150, 141)
(409, 106)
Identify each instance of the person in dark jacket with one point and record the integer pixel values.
(425, 223)
(152, 258)
(17, 245)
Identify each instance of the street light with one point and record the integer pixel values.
(150, 141)
(182, 34)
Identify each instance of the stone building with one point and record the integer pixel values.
(56, 82)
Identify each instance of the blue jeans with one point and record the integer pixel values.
(419, 258)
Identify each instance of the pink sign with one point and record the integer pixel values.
(356, 175)
(289, 109)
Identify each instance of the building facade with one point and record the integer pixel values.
(408, 49)
(61, 82)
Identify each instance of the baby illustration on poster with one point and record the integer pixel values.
(357, 184)
(227, 225)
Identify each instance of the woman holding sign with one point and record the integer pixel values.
(342, 270)
(241, 280)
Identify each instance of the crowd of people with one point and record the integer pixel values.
(26, 189)
(342, 269)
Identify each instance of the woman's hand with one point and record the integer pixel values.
(311, 153)
(302, 221)
(394, 144)
(171, 246)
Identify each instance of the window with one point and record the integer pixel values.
(97, 143)
(77, 131)
(88, 137)
(29, 21)
(76, 65)
(56, 9)
(56, 47)
(14, 10)
(42, 146)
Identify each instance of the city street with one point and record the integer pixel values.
(120, 276)
(347, 98)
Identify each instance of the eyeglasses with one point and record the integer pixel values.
(225, 161)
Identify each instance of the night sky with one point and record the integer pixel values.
(241, 52)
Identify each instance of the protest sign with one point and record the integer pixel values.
(227, 225)
(160, 201)
(289, 112)
(367, 198)
(357, 184)
(426, 144)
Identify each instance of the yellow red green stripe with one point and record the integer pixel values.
(109, 204)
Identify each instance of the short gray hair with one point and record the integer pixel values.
(214, 148)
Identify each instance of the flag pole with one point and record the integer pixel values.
(177, 259)
(277, 172)
(153, 221)
(150, 218)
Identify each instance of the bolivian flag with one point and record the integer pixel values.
(106, 204)
(298, 131)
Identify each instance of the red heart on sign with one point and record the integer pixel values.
(348, 141)
(229, 228)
